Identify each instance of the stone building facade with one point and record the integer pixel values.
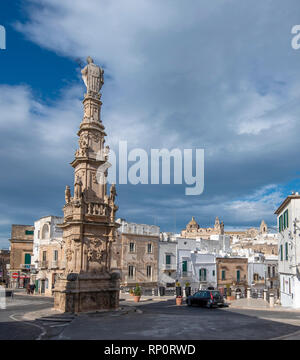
(4, 265)
(232, 273)
(135, 254)
(193, 230)
(21, 250)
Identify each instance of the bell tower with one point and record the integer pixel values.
(89, 226)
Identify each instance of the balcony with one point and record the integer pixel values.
(54, 264)
(44, 264)
(26, 266)
(186, 274)
(168, 267)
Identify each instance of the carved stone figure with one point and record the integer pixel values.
(67, 194)
(92, 76)
(78, 188)
(113, 193)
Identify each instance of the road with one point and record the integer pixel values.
(153, 320)
(11, 325)
(166, 321)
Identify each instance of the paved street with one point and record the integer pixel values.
(11, 325)
(157, 320)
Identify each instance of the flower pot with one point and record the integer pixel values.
(131, 294)
(136, 298)
(179, 301)
(230, 298)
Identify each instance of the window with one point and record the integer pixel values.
(281, 253)
(238, 275)
(284, 220)
(213, 273)
(27, 259)
(202, 274)
(45, 231)
(131, 247)
(44, 255)
(286, 251)
(223, 275)
(184, 266)
(269, 271)
(274, 271)
(290, 285)
(55, 255)
(29, 232)
(280, 223)
(168, 259)
(149, 271)
(131, 271)
(149, 248)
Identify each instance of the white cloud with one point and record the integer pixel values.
(216, 75)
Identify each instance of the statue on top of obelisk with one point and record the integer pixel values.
(92, 76)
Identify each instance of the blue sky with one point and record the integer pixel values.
(215, 75)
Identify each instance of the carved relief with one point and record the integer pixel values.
(96, 251)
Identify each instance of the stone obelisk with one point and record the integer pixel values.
(89, 226)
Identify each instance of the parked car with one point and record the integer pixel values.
(207, 298)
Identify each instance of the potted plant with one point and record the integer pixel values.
(187, 289)
(137, 293)
(131, 292)
(179, 300)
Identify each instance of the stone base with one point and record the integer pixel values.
(76, 293)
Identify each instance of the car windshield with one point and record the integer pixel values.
(216, 293)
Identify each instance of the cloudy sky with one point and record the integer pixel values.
(219, 75)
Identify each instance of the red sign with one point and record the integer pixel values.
(15, 275)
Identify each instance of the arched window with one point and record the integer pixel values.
(45, 231)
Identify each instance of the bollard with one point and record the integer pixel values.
(271, 299)
(248, 293)
(265, 294)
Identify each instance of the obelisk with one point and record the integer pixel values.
(89, 226)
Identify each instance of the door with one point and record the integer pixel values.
(43, 287)
(238, 275)
(184, 266)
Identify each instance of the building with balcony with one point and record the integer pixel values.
(48, 259)
(288, 221)
(232, 274)
(21, 250)
(135, 254)
(196, 259)
(167, 263)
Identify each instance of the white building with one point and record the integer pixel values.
(47, 256)
(288, 220)
(196, 259)
(167, 259)
(257, 271)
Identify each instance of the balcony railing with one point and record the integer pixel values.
(54, 264)
(169, 267)
(186, 274)
(44, 264)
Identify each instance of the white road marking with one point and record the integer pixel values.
(28, 323)
(59, 325)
